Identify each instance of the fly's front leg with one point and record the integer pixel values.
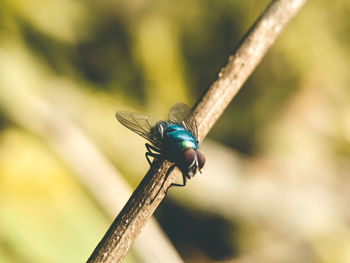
(174, 184)
(166, 177)
(181, 185)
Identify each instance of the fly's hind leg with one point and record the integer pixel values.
(151, 147)
(155, 154)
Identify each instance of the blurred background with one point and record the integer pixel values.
(275, 187)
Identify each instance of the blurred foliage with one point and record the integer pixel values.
(41, 204)
(281, 196)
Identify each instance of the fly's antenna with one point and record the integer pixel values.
(197, 165)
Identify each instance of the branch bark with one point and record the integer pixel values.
(254, 45)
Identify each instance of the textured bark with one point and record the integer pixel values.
(254, 45)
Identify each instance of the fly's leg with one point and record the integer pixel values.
(181, 185)
(149, 152)
(151, 147)
(154, 155)
(166, 177)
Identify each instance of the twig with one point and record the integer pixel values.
(135, 214)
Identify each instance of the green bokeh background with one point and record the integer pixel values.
(275, 188)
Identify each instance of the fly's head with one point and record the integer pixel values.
(193, 160)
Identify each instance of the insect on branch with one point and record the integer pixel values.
(137, 211)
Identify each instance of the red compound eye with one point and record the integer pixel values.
(189, 156)
(201, 159)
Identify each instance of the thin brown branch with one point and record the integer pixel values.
(135, 214)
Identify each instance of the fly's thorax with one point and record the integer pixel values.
(177, 138)
(180, 147)
(188, 144)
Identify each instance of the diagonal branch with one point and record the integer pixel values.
(137, 211)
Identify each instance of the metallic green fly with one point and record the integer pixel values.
(175, 140)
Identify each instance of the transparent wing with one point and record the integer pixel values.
(139, 123)
(182, 115)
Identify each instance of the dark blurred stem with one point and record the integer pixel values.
(87, 162)
(254, 45)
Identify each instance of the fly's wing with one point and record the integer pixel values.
(182, 115)
(139, 123)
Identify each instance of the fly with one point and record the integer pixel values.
(175, 140)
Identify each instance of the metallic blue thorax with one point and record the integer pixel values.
(178, 138)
